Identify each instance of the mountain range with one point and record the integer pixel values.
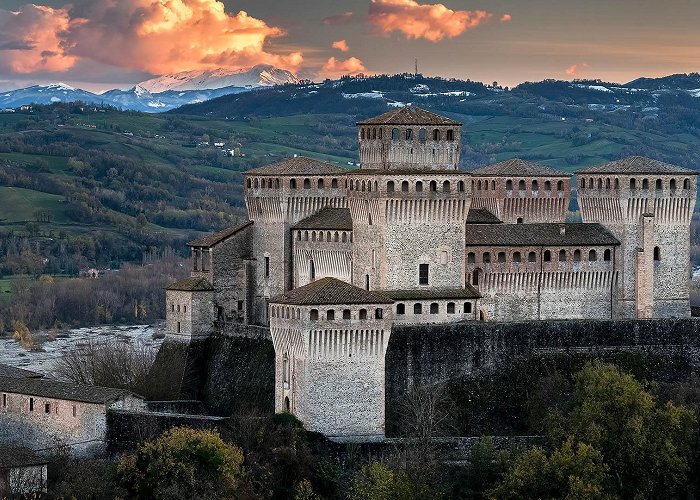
(158, 94)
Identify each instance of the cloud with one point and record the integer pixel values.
(576, 69)
(31, 40)
(335, 68)
(338, 19)
(157, 36)
(341, 45)
(429, 21)
(506, 17)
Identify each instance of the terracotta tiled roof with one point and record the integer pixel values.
(408, 171)
(194, 284)
(328, 291)
(516, 167)
(67, 391)
(434, 293)
(13, 372)
(540, 234)
(327, 218)
(299, 165)
(212, 239)
(482, 216)
(636, 165)
(409, 115)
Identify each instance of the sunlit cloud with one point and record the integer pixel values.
(432, 22)
(341, 45)
(157, 36)
(335, 68)
(506, 17)
(338, 19)
(576, 69)
(31, 40)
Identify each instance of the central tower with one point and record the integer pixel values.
(409, 137)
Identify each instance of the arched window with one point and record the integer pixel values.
(404, 186)
(362, 133)
(451, 308)
(313, 315)
(307, 184)
(285, 371)
(633, 184)
(336, 236)
(330, 314)
(433, 186)
(409, 134)
(645, 183)
(363, 314)
(320, 184)
(516, 257)
(577, 255)
(535, 186)
(395, 134)
(422, 135)
(493, 185)
(434, 308)
(380, 133)
(346, 314)
(532, 257)
(467, 307)
(562, 255)
(460, 186)
(548, 185)
(419, 187)
(400, 308)
(312, 269)
(475, 277)
(521, 185)
(450, 135)
(249, 183)
(560, 186)
(446, 187)
(478, 185)
(486, 257)
(369, 186)
(607, 183)
(583, 183)
(592, 256)
(501, 257)
(657, 253)
(369, 219)
(378, 313)
(417, 308)
(659, 184)
(255, 183)
(374, 133)
(366, 281)
(617, 183)
(306, 236)
(471, 258)
(686, 183)
(606, 255)
(509, 185)
(600, 183)
(486, 185)
(672, 184)
(390, 187)
(436, 135)
(519, 220)
(345, 237)
(547, 257)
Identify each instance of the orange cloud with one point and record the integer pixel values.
(338, 20)
(335, 68)
(506, 17)
(576, 69)
(157, 36)
(30, 40)
(341, 45)
(429, 21)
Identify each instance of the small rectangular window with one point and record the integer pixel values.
(423, 274)
(31, 404)
(240, 305)
(75, 411)
(47, 408)
(267, 267)
(4, 400)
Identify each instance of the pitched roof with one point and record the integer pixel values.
(67, 391)
(434, 293)
(544, 234)
(212, 239)
(518, 167)
(482, 216)
(327, 218)
(19, 456)
(299, 165)
(328, 291)
(14, 372)
(194, 284)
(409, 115)
(636, 165)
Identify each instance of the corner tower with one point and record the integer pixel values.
(409, 137)
(648, 206)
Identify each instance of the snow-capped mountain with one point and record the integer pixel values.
(261, 75)
(46, 94)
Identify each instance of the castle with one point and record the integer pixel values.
(331, 258)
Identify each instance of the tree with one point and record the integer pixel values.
(647, 446)
(376, 481)
(574, 471)
(183, 463)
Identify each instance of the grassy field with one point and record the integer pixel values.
(5, 287)
(19, 205)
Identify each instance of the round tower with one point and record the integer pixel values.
(409, 137)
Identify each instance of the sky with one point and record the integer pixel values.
(102, 44)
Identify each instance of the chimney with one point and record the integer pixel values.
(562, 229)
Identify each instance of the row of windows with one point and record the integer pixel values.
(270, 183)
(173, 307)
(434, 308)
(592, 183)
(407, 134)
(517, 257)
(522, 186)
(418, 186)
(32, 405)
(324, 236)
(330, 314)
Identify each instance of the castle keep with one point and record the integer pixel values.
(331, 258)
